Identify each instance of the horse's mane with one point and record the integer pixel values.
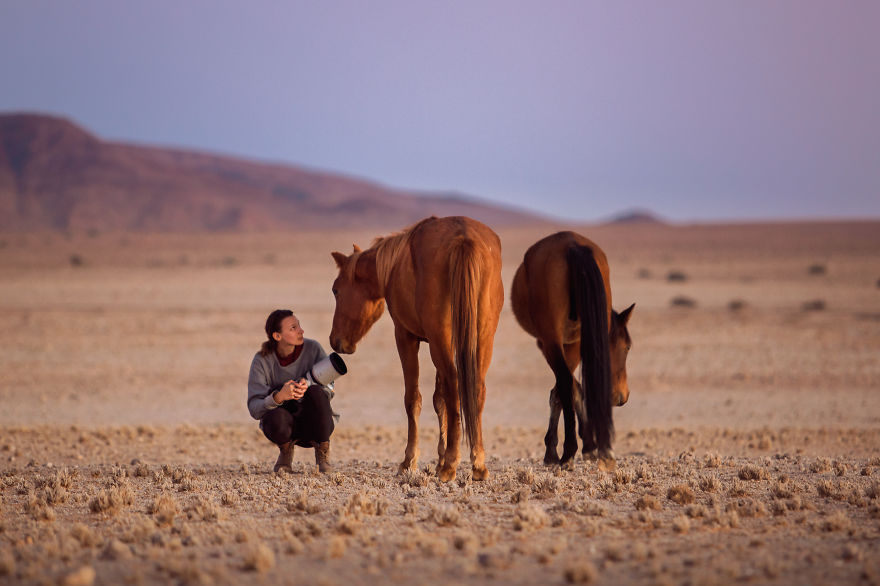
(389, 250)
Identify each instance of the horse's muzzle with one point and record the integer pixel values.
(343, 348)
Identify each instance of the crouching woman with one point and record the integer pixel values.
(290, 410)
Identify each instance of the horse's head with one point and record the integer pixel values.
(620, 345)
(359, 302)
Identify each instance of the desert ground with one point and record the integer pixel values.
(749, 451)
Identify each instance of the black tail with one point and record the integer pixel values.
(590, 304)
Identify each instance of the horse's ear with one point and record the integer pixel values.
(340, 259)
(626, 314)
(356, 248)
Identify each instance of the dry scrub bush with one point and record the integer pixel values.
(445, 515)
(681, 494)
(84, 576)
(203, 509)
(259, 558)
(230, 498)
(7, 563)
(526, 476)
(872, 491)
(521, 495)
(648, 502)
(820, 466)
(361, 504)
(299, 501)
(580, 573)
(752, 472)
(529, 516)
(836, 521)
(681, 524)
(747, 507)
(414, 478)
(709, 483)
(336, 547)
(711, 460)
(545, 486)
(738, 488)
(164, 507)
(111, 500)
(85, 536)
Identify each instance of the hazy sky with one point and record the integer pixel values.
(696, 110)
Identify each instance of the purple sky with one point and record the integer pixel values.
(697, 110)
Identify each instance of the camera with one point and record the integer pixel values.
(327, 370)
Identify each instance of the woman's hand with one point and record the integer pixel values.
(291, 390)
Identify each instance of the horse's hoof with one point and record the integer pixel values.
(479, 474)
(607, 462)
(567, 464)
(551, 459)
(590, 455)
(446, 474)
(404, 468)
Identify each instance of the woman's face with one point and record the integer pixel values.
(291, 332)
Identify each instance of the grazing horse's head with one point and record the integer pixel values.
(359, 302)
(620, 345)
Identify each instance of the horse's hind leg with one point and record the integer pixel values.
(556, 359)
(580, 408)
(552, 437)
(440, 409)
(408, 348)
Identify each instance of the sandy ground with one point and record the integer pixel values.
(749, 450)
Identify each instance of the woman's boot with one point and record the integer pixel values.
(285, 458)
(322, 457)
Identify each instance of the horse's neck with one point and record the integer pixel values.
(388, 252)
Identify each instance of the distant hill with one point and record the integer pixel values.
(55, 175)
(636, 217)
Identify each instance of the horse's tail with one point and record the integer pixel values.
(464, 268)
(589, 302)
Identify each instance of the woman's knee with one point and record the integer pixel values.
(277, 425)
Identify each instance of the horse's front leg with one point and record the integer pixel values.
(408, 349)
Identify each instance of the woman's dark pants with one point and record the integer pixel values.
(302, 422)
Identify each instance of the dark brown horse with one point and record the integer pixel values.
(561, 296)
(441, 279)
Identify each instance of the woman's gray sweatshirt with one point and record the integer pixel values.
(267, 376)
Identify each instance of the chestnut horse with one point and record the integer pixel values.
(441, 279)
(561, 295)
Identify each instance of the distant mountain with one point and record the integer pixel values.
(636, 217)
(55, 175)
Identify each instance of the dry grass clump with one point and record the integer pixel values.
(709, 483)
(414, 478)
(203, 509)
(820, 466)
(872, 491)
(676, 276)
(7, 562)
(738, 488)
(711, 460)
(526, 476)
(164, 507)
(545, 486)
(836, 521)
(445, 515)
(648, 502)
(82, 534)
(681, 494)
(752, 472)
(299, 501)
(681, 524)
(84, 576)
(747, 507)
(683, 301)
(259, 557)
(529, 516)
(580, 573)
(111, 500)
(814, 305)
